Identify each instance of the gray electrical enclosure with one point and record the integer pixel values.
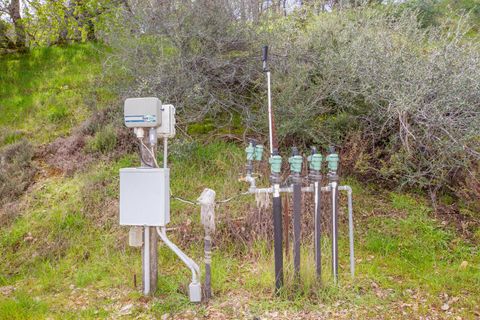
(167, 129)
(143, 112)
(144, 196)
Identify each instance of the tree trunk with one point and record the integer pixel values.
(20, 41)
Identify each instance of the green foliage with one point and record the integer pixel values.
(22, 306)
(407, 92)
(435, 12)
(43, 92)
(104, 141)
(69, 236)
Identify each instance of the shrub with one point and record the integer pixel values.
(16, 170)
(411, 93)
(104, 140)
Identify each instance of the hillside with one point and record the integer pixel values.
(63, 254)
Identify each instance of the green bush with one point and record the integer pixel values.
(104, 140)
(412, 92)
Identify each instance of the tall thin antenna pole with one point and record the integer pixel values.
(270, 123)
(269, 97)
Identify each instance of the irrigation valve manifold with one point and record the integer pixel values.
(310, 184)
(145, 190)
(297, 185)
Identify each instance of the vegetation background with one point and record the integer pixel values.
(396, 87)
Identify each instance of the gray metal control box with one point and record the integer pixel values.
(143, 112)
(167, 129)
(144, 196)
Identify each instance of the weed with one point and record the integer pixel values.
(104, 140)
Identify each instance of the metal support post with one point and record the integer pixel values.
(333, 161)
(150, 239)
(315, 165)
(334, 198)
(318, 229)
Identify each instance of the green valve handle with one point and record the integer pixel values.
(250, 150)
(315, 160)
(295, 161)
(275, 163)
(333, 159)
(259, 152)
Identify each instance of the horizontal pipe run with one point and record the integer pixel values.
(289, 189)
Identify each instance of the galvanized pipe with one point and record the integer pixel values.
(270, 114)
(350, 228)
(334, 199)
(208, 272)
(146, 260)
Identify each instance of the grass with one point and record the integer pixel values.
(44, 94)
(81, 256)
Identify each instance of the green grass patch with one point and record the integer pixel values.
(43, 93)
(68, 237)
(22, 306)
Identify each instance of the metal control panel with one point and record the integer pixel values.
(144, 196)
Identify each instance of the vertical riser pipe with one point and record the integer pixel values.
(350, 234)
(208, 276)
(334, 195)
(146, 261)
(318, 229)
(278, 237)
(297, 208)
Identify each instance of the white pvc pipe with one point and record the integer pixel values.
(254, 190)
(350, 227)
(317, 220)
(270, 129)
(350, 231)
(146, 261)
(195, 269)
(334, 232)
(165, 152)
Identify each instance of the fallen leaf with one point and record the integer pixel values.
(126, 309)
